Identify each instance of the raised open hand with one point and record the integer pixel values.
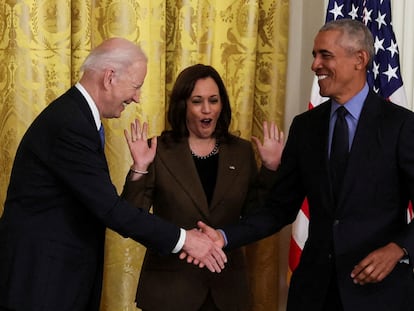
(142, 153)
(271, 149)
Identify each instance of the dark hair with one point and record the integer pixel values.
(181, 92)
(357, 36)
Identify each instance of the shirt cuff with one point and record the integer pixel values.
(406, 257)
(180, 242)
(224, 237)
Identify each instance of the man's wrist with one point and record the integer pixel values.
(180, 242)
(406, 258)
(223, 234)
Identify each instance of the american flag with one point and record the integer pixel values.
(384, 78)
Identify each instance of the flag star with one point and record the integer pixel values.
(393, 48)
(337, 10)
(391, 72)
(367, 16)
(378, 44)
(354, 12)
(375, 69)
(381, 20)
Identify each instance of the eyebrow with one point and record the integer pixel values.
(201, 96)
(322, 51)
(137, 85)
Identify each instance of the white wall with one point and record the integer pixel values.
(306, 17)
(403, 24)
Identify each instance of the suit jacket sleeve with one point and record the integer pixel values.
(65, 143)
(278, 206)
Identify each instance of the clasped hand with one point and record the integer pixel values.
(215, 260)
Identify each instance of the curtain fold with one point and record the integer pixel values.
(44, 42)
(269, 102)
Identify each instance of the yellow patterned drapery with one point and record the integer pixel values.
(43, 43)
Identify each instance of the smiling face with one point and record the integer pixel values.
(203, 108)
(123, 88)
(341, 71)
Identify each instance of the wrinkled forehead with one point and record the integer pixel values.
(137, 71)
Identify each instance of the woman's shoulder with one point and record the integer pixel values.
(168, 140)
(236, 142)
(235, 137)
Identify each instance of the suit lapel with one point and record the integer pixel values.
(230, 162)
(180, 164)
(83, 105)
(318, 148)
(362, 150)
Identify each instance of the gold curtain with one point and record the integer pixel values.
(43, 43)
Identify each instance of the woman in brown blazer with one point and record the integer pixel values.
(197, 171)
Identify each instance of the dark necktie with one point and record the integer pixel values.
(339, 151)
(102, 136)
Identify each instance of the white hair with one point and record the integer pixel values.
(117, 53)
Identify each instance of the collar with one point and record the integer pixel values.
(91, 103)
(355, 104)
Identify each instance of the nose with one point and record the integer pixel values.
(136, 96)
(315, 64)
(206, 107)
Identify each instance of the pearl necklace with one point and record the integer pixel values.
(213, 152)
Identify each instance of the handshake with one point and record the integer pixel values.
(203, 247)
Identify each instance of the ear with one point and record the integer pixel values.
(362, 58)
(108, 77)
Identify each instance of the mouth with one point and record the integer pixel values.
(321, 77)
(206, 122)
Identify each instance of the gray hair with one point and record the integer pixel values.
(356, 36)
(117, 53)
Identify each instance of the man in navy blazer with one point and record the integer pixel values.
(60, 197)
(357, 256)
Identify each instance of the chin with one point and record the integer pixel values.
(323, 93)
(116, 115)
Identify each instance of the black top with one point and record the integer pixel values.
(207, 171)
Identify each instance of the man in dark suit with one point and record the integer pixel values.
(60, 197)
(357, 253)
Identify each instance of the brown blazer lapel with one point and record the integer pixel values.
(179, 162)
(230, 162)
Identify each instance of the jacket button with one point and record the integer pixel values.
(336, 222)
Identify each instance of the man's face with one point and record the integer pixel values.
(124, 88)
(335, 67)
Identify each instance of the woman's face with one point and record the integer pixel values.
(203, 108)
